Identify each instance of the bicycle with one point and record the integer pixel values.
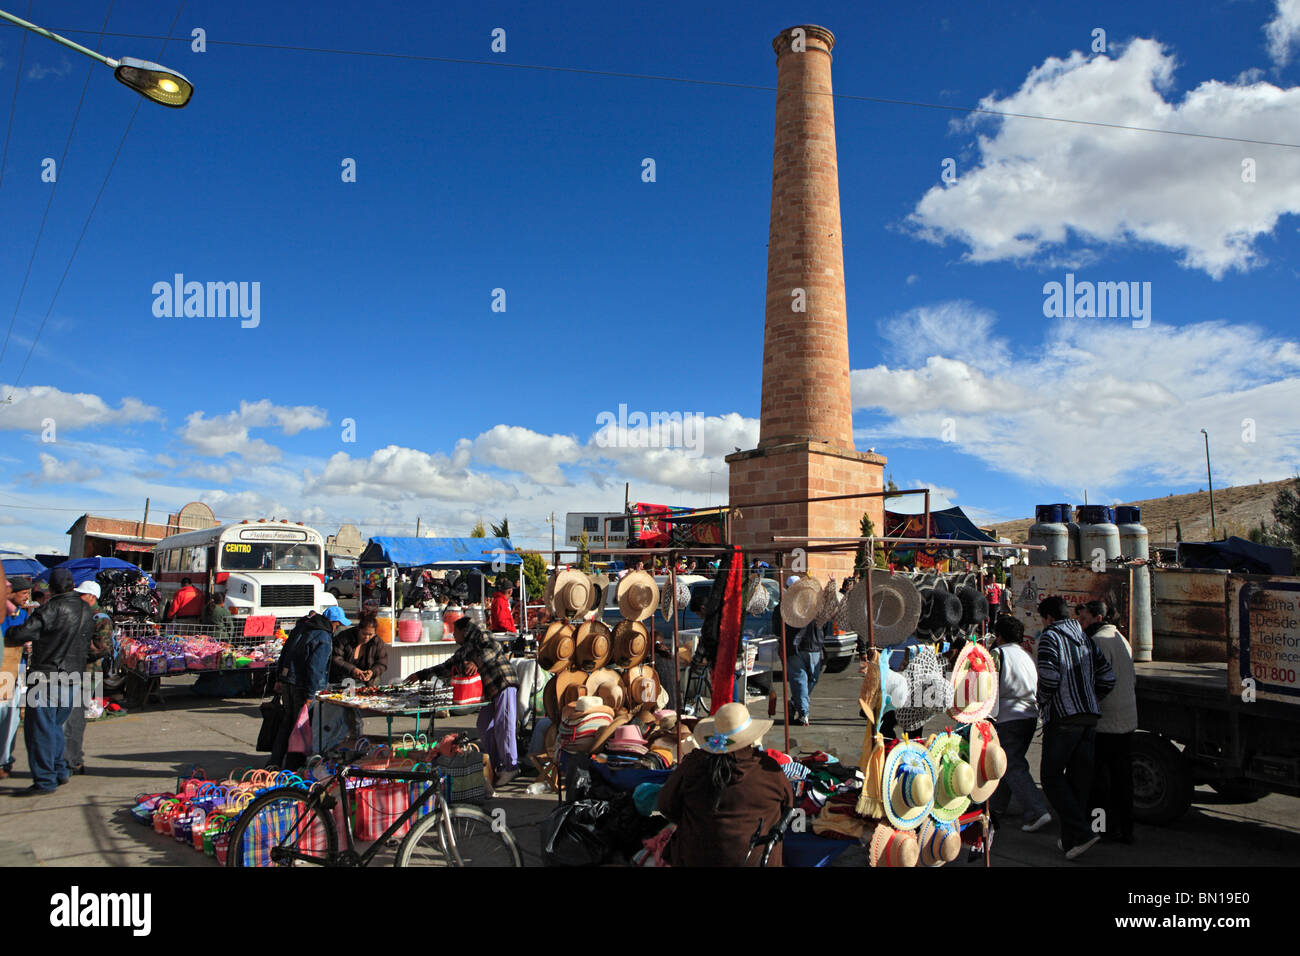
(769, 840)
(697, 689)
(299, 827)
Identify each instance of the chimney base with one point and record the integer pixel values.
(803, 470)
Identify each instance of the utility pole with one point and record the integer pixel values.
(552, 530)
(417, 526)
(1210, 480)
(144, 528)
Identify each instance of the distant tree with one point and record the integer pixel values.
(478, 531)
(889, 485)
(866, 528)
(534, 574)
(1285, 530)
(501, 530)
(1178, 530)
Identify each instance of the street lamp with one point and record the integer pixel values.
(1210, 479)
(151, 80)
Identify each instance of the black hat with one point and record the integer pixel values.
(60, 581)
(20, 582)
(974, 606)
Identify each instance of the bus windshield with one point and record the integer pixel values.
(258, 556)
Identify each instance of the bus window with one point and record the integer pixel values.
(198, 560)
(250, 556)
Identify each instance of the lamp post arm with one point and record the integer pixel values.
(18, 21)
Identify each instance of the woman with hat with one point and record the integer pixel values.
(720, 792)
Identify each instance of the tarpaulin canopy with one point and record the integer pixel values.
(440, 552)
(905, 517)
(1236, 554)
(85, 569)
(17, 563)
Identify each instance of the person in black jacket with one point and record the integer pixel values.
(304, 668)
(60, 632)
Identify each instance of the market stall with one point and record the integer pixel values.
(420, 636)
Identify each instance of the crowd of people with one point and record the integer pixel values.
(63, 634)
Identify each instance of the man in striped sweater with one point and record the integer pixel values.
(1073, 675)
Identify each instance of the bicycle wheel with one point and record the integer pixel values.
(478, 841)
(282, 819)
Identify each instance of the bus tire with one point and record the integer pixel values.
(1162, 780)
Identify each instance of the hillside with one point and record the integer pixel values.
(1237, 509)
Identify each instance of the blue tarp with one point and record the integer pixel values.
(950, 522)
(85, 569)
(16, 563)
(445, 552)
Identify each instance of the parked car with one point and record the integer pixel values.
(343, 583)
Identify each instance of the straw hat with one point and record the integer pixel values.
(907, 785)
(974, 684)
(987, 759)
(594, 644)
(896, 604)
(581, 722)
(801, 602)
(572, 593)
(631, 642)
(953, 778)
(568, 687)
(940, 843)
(730, 729)
(642, 683)
(608, 686)
(603, 735)
(557, 647)
(890, 847)
(830, 602)
(638, 595)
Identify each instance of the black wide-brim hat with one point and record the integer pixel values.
(974, 606)
(941, 609)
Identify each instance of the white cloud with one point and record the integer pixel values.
(533, 454)
(395, 473)
(1066, 191)
(229, 434)
(1283, 31)
(38, 71)
(55, 471)
(1098, 404)
(31, 406)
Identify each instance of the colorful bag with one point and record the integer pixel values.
(300, 736)
(379, 806)
(464, 778)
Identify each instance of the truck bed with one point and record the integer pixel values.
(1203, 680)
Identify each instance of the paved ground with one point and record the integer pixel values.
(86, 822)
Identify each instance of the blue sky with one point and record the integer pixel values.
(376, 295)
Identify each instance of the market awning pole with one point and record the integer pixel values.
(785, 667)
(871, 613)
(677, 701)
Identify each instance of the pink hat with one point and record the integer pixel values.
(627, 739)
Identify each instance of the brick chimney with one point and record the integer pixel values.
(805, 445)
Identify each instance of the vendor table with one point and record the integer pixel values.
(405, 658)
(390, 712)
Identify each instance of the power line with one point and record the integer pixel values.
(919, 104)
(89, 216)
(40, 233)
(13, 106)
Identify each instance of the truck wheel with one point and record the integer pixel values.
(335, 592)
(1162, 780)
(1239, 790)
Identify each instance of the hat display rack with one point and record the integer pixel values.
(782, 547)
